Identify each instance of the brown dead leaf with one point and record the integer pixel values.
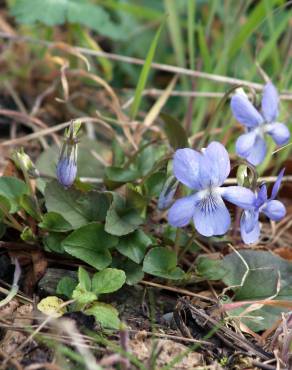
(39, 266)
(284, 252)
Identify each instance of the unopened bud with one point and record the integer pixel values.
(24, 163)
(166, 196)
(67, 164)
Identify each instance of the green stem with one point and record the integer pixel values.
(176, 242)
(31, 191)
(12, 221)
(187, 246)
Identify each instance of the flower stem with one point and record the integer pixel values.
(11, 220)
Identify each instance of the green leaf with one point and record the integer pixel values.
(174, 131)
(76, 207)
(108, 280)
(73, 11)
(4, 206)
(83, 297)
(53, 242)
(121, 220)
(90, 244)
(12, 189)
(106, 314)
(53, 221)
(28, 203)
(162, 262)
(133, 272)
(134, 245)
(146, 159)
(154, 184)
(260, 282)
(144, 74)
(66, 286)
(84, 279)
(210, 269)
(122, 175)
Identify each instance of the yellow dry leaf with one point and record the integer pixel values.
(51, 306)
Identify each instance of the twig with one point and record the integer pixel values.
(174, 337)
(158, 66)
(177, 290)
(288, 178)
(190, 94)
(46, 131)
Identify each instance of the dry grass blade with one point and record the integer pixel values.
(158, 66)
(158, 105)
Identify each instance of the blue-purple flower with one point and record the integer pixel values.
(272, 208)
(204, 172)
(67, 164)
(252, 145)
(67, 170)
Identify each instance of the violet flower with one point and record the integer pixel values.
(67, 164)
(67, 170)
(252, 145)
(205, 173)
(273, 209)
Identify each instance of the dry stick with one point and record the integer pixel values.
(260, 179)
(177, 290)
(27, 119)
(158, 66)
(45, 132)
(170, 336)
(190, 94)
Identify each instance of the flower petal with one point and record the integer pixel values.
(245, 143)
(245, 112)
(219, 163)
(274, 210)
(279, 132)
(211, 216)
(258, 152)
(270, 102)
(262, 196)
(251, 217)
(252, 235)
(277, 184)
(238, 195)
(66, 171)
(186, 165)
(181, 212)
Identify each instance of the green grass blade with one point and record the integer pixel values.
(204, 51)
(144, 73)
(191, 29)
(253, 21)
(176, 37)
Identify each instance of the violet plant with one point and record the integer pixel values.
(272, 208)
(252, 145)
(205, 172)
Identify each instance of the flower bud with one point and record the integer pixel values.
(166, 196)
(67, 165)
(24, 163)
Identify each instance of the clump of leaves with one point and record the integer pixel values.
(87, 291)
